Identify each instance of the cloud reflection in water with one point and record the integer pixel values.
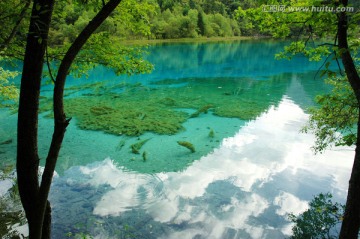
(243, 189)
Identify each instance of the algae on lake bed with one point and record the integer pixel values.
(165, 108)
(133, 109)
(123, 116)
(242, 98)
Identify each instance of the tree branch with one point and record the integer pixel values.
(48, 64)
(328, 44)
(15, 28)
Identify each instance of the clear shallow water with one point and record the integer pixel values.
(243, 189)
(239, 184)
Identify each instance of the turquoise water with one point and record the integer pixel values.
(240, 183)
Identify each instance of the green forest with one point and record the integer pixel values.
(153, 19)
(150, 19)
(145, 19)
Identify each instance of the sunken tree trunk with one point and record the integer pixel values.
(351, 223)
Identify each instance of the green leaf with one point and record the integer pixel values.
(319, 221)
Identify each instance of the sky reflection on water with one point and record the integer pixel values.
(240, 187)
(243, 189)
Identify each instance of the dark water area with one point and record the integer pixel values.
(123, 174)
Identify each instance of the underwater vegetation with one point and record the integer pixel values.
(203, 109)
(6, 142)
(187, 145)
(46, 105)
(211, 93)
(9, 141)
(120, 145)
(144, 156)
(211, 133)
(121, 116)
(101, 110)
(134, 109)
(135, 148)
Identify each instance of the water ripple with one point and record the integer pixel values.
(129, 190)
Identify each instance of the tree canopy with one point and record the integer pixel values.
(313, 34)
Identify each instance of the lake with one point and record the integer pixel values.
(206, 146)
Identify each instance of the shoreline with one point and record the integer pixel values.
(141, 42)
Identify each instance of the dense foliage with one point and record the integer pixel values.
(151, 19)
(314, 34)
(8, 91)
(165, 19)
(136, 19)
(334, 121)
(320, 220)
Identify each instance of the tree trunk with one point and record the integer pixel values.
(60, 120)
(27, 146)
(34, 196)
(351, 223)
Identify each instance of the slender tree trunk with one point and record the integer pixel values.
(351, 223)
(60, 120)
(33, 197)
(27, 145)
